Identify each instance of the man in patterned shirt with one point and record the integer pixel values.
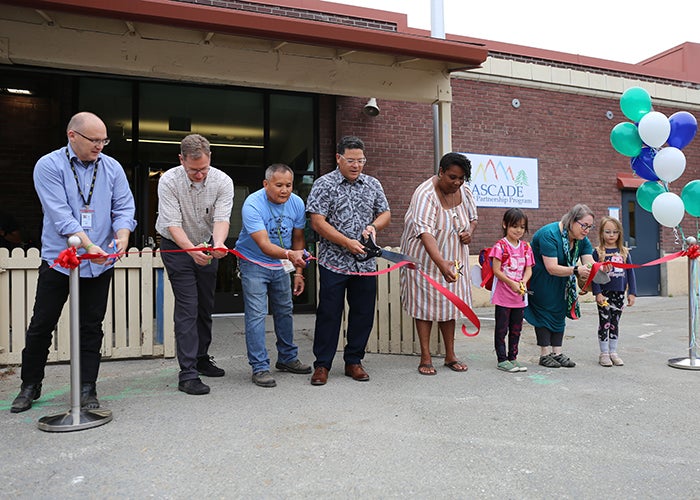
(344, 205)
(194, 208)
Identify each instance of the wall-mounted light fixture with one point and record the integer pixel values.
(515, 103)
(18, 91)
(371, 108)
(609, 115)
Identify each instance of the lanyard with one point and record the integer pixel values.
(280, 216)
(77, 182)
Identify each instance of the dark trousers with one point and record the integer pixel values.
(609, 317)
(51, 294)
(361, 296)
(193, 286)
(509, 321)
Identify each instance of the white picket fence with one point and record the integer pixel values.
(138, 322)
(139, 319)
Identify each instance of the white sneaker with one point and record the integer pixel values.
(604, 359)
(616, 360)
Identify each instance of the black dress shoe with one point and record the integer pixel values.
(27, 394)
(88, 396)
(207, 367)
(193, 386)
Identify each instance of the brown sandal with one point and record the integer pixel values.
(457, 366)
(429, 369)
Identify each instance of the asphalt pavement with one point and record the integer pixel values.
(583, 432)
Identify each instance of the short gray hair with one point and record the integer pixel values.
(577, 213)
(194, 146)
(277, 167)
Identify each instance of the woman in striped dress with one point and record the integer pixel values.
(438, 228)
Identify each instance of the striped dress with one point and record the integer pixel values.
(425, 214)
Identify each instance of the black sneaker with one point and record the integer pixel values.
(193, 386)
(549, 361)
(564, 361)
(88, 396)
(27, 394)
(295, 366)
(207, 367)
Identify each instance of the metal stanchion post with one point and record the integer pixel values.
(691, 362)
(76, 419)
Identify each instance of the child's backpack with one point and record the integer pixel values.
(486, 267)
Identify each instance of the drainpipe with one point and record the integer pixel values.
(437, 30)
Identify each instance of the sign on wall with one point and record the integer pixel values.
(504, 181)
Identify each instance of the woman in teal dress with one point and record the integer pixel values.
(563, 253)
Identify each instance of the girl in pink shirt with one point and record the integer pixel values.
(512, 267)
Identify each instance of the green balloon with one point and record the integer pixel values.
(625, 139)
(635, 103)
(691, 198)
(647, 193)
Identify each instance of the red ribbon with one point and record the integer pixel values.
(68, 259)
(692, 252)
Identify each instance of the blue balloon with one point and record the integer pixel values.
(683, 129)
(643, 164)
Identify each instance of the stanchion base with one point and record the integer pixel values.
(67, 422)
(684, 363)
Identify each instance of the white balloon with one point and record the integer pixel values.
(654, 129)
(668, 209)
(669, 164)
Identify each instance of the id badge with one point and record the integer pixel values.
(287, 265)
(86, 218)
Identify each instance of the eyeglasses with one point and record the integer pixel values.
(195, 171)
(96, 142)
(609, 231)
(585, 227)
(352, 161)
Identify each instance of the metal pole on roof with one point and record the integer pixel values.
(437, 30)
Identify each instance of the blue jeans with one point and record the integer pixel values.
(260, 283)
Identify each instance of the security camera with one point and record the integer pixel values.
(371, 108)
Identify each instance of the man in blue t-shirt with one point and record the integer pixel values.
(272, 242)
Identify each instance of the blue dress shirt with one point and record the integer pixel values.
(112, 204)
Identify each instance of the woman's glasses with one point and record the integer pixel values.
(585, 227)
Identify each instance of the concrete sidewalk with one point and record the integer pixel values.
(586, 432)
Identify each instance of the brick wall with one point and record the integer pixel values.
(569, 134)
(20, 148)
(310, 15)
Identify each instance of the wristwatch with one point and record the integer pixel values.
(575, 270)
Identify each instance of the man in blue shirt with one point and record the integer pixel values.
(272, 239)
(83, 193)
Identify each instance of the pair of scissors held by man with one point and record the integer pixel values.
(371, 249)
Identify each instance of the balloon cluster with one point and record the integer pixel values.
(644, 142)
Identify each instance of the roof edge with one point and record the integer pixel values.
(207, 18)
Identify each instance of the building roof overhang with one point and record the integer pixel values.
(456, 55)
